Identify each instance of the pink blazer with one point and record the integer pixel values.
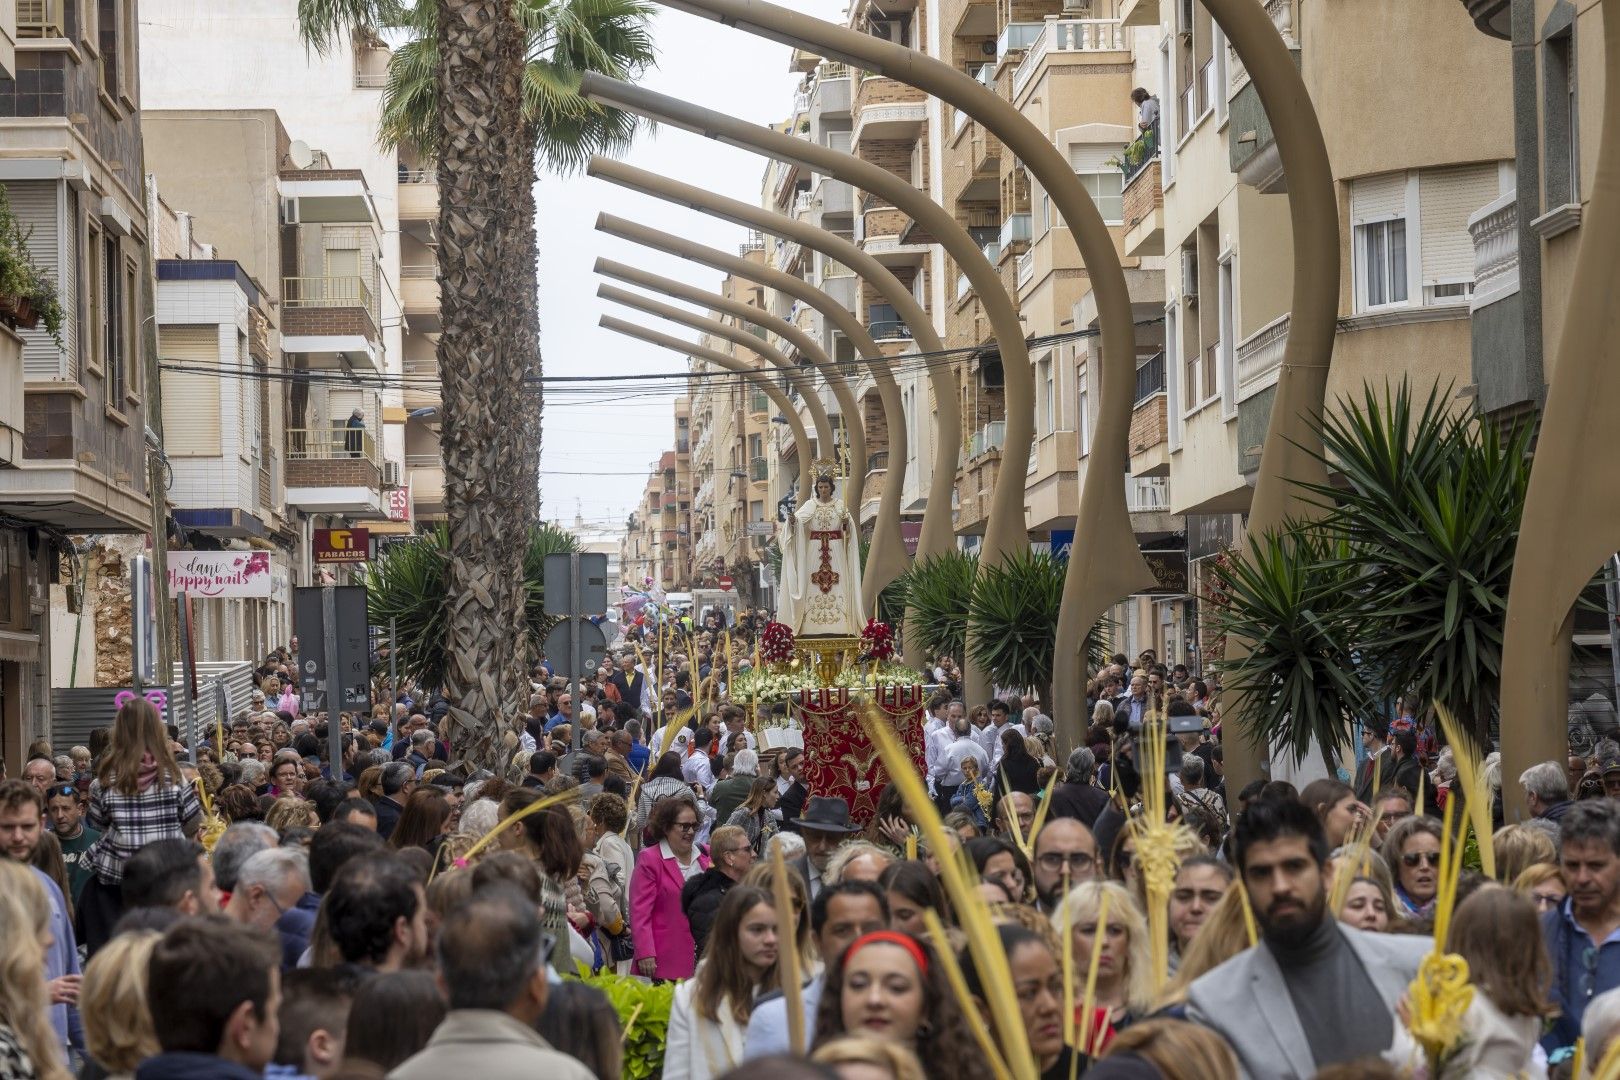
(658, 926)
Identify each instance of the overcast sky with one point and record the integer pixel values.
(596, 456)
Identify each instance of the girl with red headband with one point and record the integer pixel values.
(889, 985)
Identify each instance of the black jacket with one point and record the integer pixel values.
(1409, 775)
(387, 816)
(1083, 802)
(792, 804)
(700, 901)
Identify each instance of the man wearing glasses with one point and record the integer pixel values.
(1065, 856)
(270, 882)
(65, 810)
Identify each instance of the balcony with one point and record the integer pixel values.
(419, 296)
(1495, 232)
(836, 197)
(326, 196)
(426, 473)
(984, 154)
(1259, 358)
(831, 96)
(334, 470)
(987, 439)
(975, 488)
(331, 319)
(1147, 494)
(1059, 36)
(1139, 13)
(883, 229)
(11, 397)
(418, 194)
(886, 109)
(1144, 211)
(1016, 37)
(1026, 268)
(1150, 378)
(40, 19)
(1015, 235)
(1149, 437)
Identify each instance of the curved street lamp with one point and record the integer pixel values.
(886, 559)
(1571, 521)
(825, 441)
(801, 438)
(854, 421)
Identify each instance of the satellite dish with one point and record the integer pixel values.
(300, 154)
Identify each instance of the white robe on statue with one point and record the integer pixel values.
(787, 581)
(826, 582)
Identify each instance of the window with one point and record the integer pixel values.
(132, 327)
(1172, 385)
(1082, 406)
(1561, 166)
(1048, 396)
(1381, 254)
(112, 319)
(92, 333)
(1107, 190)
(1227, 350)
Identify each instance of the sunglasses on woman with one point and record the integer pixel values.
(1412, 858)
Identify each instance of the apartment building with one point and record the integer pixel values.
(73, 408)
(351, 265)
(1406, 193)
(658, 539)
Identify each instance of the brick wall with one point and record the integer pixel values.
(1143, 195)
(327, 321)
(876, 425)
(333, 472)
(1148, 425)
(881, 91)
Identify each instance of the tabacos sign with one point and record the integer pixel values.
(220, 573)
(342, 545)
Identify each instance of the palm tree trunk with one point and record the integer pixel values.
(529, 337)
(483, 171)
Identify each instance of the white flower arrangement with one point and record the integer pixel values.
(763, 687)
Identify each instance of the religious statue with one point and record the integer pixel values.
(821, 564)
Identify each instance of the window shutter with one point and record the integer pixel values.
(34, 202)
(1376, 197)
(191, 400)
(1092, 157)
(1448, 198)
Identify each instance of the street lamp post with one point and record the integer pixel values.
(801, 438)
(854, 421)
(886, 559)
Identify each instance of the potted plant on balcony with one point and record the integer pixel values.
(27, 296)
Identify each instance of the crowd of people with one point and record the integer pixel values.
(250, 908)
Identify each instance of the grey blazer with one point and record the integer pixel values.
(1246, 1001)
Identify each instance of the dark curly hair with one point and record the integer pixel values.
(664, 813)
(944, 1045)
(236, 802)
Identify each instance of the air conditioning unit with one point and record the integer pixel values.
(391, 474)
(1077, 7)
(289, 211)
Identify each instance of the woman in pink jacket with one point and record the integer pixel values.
(659, 929)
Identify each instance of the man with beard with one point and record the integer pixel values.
(1065, 856)
(1313, 992)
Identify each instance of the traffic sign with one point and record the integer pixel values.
(725, 582)
(559, 647)
(559, 595)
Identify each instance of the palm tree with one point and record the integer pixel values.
(485, 86)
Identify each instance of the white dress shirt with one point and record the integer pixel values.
(949, 770)
(992, 741)
(695, 770)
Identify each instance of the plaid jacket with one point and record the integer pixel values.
(130, 822)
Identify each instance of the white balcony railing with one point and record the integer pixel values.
(1147, 494)
(1067, 36)
(990, 437)
(1014, 230)
(1016, 37)
(992, 251)
(1495, 230)
(1026, 268)
(962, 286)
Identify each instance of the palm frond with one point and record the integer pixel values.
(323, 23)
(936, 591)
(1012, 619)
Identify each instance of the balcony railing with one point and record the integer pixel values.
(1150, 378)
(418, 176)
(990, 437)
(1068, 36)
(758, 470)
(346, 291)
(1147, 494)
(419, 270)
(334, 443)
(39, 19)
(1016, 37)
(1026, 267)
(992, 251)
(877, 461)
(370, 80)
(759, 401)
(1139, 153)
(1015, 230)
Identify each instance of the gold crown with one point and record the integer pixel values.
(825, 469)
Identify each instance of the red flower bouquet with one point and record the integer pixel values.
(776, 643)
(877, 640)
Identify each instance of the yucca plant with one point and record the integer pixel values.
(1426, 510)
(407, 584)
(1012, 620)
(1295, 598)
(936, 592)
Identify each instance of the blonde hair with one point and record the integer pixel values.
(1539, 874)
(1518, 848)
(901, 1063)
(288, 812)
(117, 1026)
(1082, 904)
(847, 854)
(25, 917)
